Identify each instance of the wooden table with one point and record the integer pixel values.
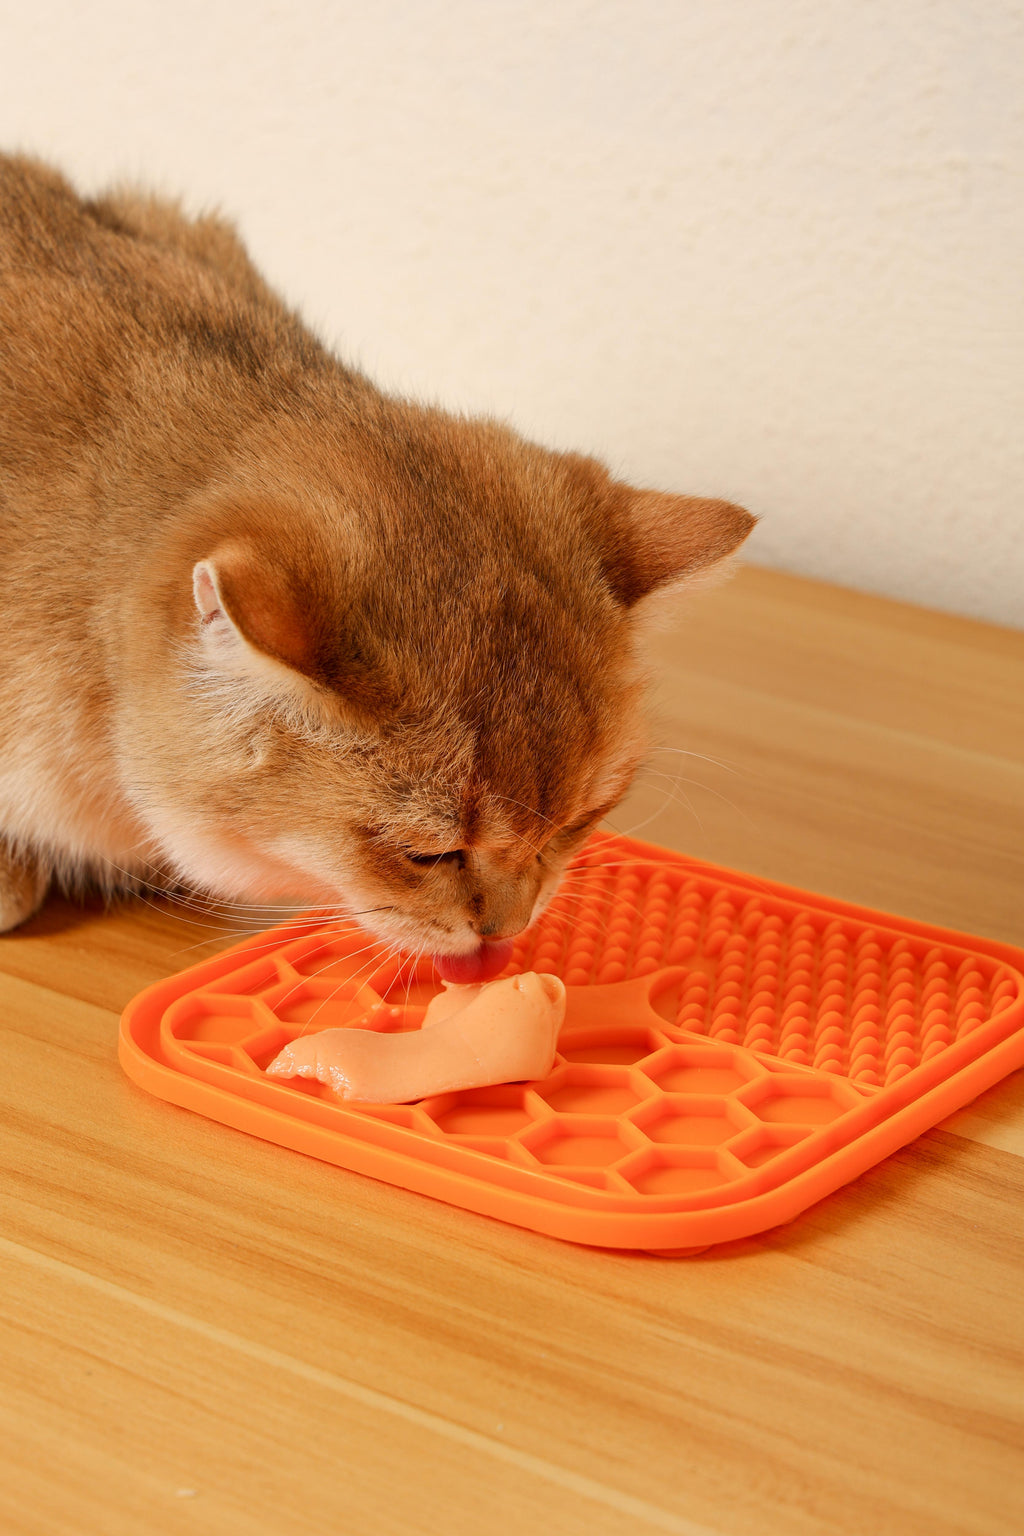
(205, 1334)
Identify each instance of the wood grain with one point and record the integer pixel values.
(206, 1334)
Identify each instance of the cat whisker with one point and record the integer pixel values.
(674, 781)
(411, 973)
(641, 825)
(558, 914)
(209, 904)
(353, 981)
(718, 762)
(698, 784)
(685, 862)
(222, 926)
(334, 925)
(280, 914)
(135, 887)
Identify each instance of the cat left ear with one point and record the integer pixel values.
(219, 634)
(266, 621)
(666, 542)
(250, 621)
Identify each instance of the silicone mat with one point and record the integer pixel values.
(733, 1050)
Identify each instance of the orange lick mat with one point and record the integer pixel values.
(733, 1050)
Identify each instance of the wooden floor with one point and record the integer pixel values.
(201, 1333)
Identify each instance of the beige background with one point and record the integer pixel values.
(767, 248)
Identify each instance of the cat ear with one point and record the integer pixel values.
(665, 542)
(251, 619)
(266, 622)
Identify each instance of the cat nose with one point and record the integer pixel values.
(494, 933)
(500, 909)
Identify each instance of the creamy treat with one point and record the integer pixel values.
(472, 1037)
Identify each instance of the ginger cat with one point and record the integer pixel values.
(273, 635)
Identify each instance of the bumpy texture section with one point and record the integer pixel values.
(834, 994)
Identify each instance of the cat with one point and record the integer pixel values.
(276, 636)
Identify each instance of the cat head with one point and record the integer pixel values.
(402, 678)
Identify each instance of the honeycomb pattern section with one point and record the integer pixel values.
(811, 989)
(625, 1109)
(717, 1040)
(325, 981)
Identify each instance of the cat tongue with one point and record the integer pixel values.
(482, 965)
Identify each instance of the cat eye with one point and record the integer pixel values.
(566, 834)
(428, 860)
(581, 826)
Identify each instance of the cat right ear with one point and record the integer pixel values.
(662, 544)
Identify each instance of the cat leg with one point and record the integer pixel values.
(24, 882)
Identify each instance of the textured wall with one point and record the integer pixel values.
(767, 248)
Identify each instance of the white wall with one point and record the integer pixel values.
(772, 249)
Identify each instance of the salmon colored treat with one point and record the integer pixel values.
(471, 1037)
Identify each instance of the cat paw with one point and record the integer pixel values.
(23, 887)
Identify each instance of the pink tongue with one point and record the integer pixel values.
(482, 965)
